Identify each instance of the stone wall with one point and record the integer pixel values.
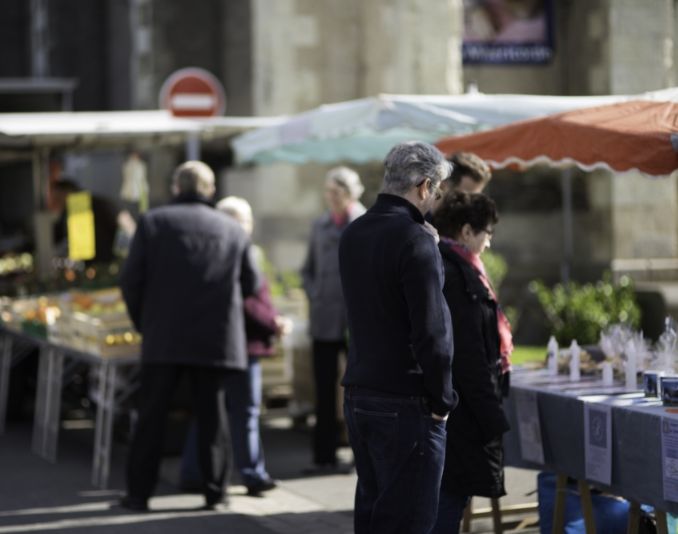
(310, 52)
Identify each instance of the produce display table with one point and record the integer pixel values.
(46, 421)
(636, 442)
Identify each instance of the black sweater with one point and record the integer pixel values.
(400, 327)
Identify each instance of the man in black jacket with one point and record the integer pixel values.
(184, 280)
(398, 378)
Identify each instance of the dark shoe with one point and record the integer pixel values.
(261, 486)
(132, 504)
(215, 505)
(191, 487)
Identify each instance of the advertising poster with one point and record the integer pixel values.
(670, 458)
(598, 442)
(508, 31)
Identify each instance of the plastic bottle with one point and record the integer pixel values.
(552, 356)
(575, 361)
(631, 370)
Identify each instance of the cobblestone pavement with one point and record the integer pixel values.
(37, 496)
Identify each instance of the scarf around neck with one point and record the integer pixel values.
(503, 325)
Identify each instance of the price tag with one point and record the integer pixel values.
(80, 221)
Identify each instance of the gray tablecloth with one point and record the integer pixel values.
(636, 438)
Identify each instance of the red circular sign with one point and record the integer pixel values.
(193, 92)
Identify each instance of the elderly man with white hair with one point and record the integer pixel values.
(243, 388)
(184, 281)
(320, 274)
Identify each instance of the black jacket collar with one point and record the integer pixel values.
(395, 204)
(192, 198)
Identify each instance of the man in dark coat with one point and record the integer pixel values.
(183, 282)
(399, 372)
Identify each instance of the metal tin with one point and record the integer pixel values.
(669, 390)
(651, 383)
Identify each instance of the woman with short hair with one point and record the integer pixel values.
(482, 346)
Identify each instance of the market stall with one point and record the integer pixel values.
(364, 130)
(33, 137)
(634, 135)
(88, 327)
(549, 417)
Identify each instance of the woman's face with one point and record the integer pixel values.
(337, 197)
(476, 242)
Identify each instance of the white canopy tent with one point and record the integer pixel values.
(31, 136)
(364, 130)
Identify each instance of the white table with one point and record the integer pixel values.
(46, 422)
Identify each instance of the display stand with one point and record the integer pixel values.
(46, 422)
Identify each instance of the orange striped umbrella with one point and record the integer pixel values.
(641, 135)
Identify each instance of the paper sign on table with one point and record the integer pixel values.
(529, 428)
(598, 442)
(670, 458)
(80, 223)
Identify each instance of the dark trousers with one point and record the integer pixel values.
(325, 375)
(450, 512)
(243, 405)
(399, 454)
(158, 385)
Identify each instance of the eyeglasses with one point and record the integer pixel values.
(438, 192)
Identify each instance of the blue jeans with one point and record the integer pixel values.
(399, 452)
(450, 513)
(243, 402)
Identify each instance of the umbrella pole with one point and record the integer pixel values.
(568, 240)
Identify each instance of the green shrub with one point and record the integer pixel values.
(580, 312)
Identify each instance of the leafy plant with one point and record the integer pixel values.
(580, 312)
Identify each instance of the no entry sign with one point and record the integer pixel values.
(193, 92)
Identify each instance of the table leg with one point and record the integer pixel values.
(496, 516)
(587, 506)
(466, 519)
(559, 504)
(5, 367)
(104, 425)
(40, 395)
(53, 407)
(98, 426)
(634, 518)
(662, 525)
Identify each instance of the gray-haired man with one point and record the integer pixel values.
(398, 378)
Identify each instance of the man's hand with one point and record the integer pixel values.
(441, 418)
(431, 230)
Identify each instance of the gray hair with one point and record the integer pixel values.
(194, 177)
(408, 163)
(348, 179)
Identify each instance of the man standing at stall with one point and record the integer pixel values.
(399, 372)
(183, 282)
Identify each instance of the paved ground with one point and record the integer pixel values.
(37, 496)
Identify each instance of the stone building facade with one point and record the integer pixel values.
(285, 56)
